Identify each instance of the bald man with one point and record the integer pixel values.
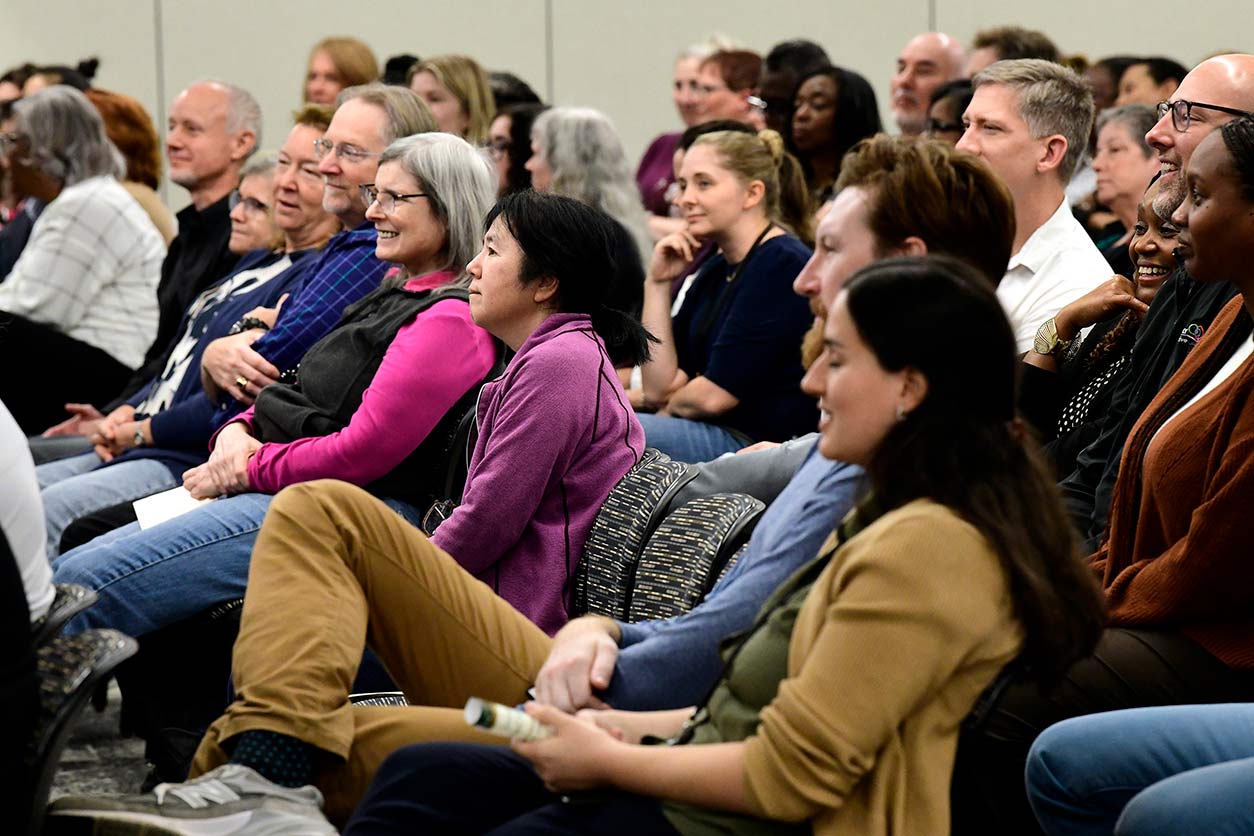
(925, 63)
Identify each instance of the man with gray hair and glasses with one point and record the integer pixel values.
(79, 307)
(1030, 121)
(367, 118)
(212, 130)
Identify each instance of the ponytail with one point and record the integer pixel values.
(626, 340)
(796, 209)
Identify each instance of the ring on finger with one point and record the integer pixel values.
(241, 382)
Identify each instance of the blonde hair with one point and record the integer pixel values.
(462, 76)
(353, 60)
(763, 157)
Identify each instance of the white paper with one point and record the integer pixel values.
(156, 509)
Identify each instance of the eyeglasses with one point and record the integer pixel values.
(348, 153)
(386, 200)
(251, 204)
(12, 141)
(498, 148)
(1182, 112)
(936, 126)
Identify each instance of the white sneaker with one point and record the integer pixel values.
(229, 800)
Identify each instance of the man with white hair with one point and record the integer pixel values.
(926, 62)
(1030, 120)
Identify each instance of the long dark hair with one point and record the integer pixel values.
(1238, 136)
(964, 448)
(857, 113)
(521, 118)
(574, 243)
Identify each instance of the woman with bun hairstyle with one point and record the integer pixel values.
(727, 370)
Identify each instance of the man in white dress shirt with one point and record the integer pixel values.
(1030, 120)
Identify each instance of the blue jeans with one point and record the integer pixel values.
(149, 579)
(74, 487)
(687, 441)
(1146, 771)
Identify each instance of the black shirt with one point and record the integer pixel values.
(1180, 314)
(198, 257)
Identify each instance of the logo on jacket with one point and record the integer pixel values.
(1191, 334)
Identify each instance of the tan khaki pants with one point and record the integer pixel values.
(334, 570)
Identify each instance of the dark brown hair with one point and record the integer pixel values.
(950, 199)
(1014, 42)
(964, 448)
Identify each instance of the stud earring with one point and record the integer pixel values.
(901, 413)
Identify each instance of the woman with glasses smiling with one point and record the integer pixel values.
(376, 402)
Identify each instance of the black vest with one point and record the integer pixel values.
(335, 373)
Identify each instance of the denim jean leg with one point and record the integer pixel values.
(687, 441)
(50, 473)
(152, 578)
(1082, 772)
(1208, 800)
(67, 500)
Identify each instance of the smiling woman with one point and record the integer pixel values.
(726, 371)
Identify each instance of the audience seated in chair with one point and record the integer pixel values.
(79, 307)
(213, 129)
(726, 371)
(146, 444)
(376, 403)
(1174, 565)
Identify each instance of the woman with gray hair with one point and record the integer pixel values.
(376, 402)
(79, 308)
(1124, 164)
(575, 152)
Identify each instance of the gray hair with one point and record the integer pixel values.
(460, 184)
(1052, 99)
(407, 113)
(243, 113)
(1137, 118)
(263, 164)
(67, 136)
(589, 164)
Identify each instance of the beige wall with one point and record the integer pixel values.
(615, 56)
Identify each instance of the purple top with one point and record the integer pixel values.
(406, 399)
(555, 434)
(657, 172)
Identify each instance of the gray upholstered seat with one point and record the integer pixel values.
(627, 519)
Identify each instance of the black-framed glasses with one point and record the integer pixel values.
(349, 153)
(1182, 112)
(936, 126)
(11, 141)
(385, 199)
(251, 204)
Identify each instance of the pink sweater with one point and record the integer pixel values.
(404, 402)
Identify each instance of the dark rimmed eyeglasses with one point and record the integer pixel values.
(1182, 112)
(386, 200)
(250, 204)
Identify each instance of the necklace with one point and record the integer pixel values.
(734, 274)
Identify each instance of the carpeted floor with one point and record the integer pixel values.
(97, 759)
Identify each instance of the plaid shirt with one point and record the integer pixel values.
(90, 270)
(346, 271)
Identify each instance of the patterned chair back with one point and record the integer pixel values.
(684, 557)
(627, 519)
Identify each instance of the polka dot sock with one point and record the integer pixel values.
(283, 760)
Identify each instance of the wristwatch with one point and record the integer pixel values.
(1047, 342)
(139, 435)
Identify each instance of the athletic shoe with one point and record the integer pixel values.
(230, 800)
